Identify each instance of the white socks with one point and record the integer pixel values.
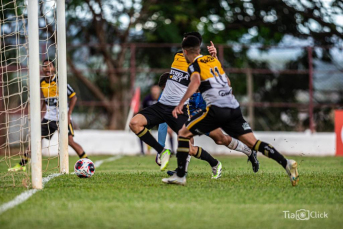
(239, 146)
(187, 162)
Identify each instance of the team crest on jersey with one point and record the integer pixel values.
(246, 126)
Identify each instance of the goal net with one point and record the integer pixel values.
(16, 92)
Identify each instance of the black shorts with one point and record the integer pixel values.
(229, 119)
(49, 127)
(160, 113)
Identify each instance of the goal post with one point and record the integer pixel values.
(62, 81)
(34, 79)
(32, 31)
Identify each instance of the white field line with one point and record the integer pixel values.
(98, 163)
(27, 194)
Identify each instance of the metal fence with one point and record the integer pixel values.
(280, 88)
(314, 71)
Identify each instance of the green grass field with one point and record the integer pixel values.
(128, 193)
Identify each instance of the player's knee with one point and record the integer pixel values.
(185, 133)
(220, 140)
(134, 124)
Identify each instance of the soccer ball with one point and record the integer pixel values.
(84, 168)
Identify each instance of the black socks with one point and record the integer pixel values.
(182, 154)
(146, 137)
(83, 155)
(204, 155)
(271, 152)
(24, 159)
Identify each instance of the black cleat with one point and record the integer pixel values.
(254, 162)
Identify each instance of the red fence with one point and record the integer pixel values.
(250, 73)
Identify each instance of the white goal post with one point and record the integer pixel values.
(34, 79)
(62, 79)
(34, 76)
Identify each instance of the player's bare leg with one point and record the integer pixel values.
(78, 149)
(221, 139)
(137, 125)
(268, 150)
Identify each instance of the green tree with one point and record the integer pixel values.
(99, 34)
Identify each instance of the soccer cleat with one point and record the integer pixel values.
(217, 170)
(175, 180)
(292, 171)
(172, 172)
(158, 159)
(165, 156)
(254, 162)
(17, 167)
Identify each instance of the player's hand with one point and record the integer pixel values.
(212, 50)
(177, 110)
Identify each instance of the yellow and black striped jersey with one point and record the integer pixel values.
(50, 93)
(214, 86)
(177, 82)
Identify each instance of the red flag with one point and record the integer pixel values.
(339, 132)
(135, 101)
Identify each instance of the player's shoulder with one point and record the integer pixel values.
(204, 59)
(178, 56)
(208, 62)
(178, 53)
(180, 62)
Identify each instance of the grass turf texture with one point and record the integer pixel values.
(128, 193)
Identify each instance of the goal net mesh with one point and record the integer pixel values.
(14, 89)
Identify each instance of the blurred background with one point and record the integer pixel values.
(284, 58)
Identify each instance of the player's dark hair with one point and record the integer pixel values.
(196, 34)
(52, 62)
(163, 79)
(191, 43)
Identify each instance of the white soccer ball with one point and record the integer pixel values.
(84, 168)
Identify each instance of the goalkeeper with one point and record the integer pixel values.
(49, 125)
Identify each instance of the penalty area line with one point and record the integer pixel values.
(27, 194)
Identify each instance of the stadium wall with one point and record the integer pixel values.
(106, 142)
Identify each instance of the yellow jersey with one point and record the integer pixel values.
(214, 86)
(50, 94)
(177, 82)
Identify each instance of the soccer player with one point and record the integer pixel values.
(197, 104)
(222, 111)
(160, 112)
(49, 125)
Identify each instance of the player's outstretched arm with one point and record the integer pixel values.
(192, 88)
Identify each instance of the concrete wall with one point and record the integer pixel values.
(119, 142)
